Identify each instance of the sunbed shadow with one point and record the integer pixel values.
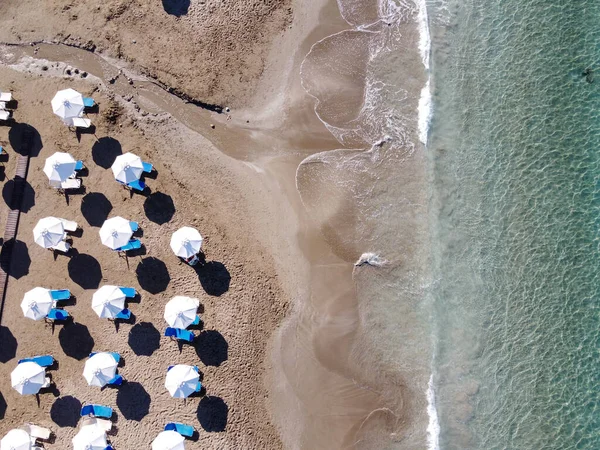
(176, 8)
(118, 322)
(144, 339)
(65, 411)
(84, 270)
(105, 151)
(76, 341)
(2, 173)
(152, 275)
(211, 347)
(81, 131)
(8, 346)
(14, 258)
(95, 208)
(212, 414)
(3, 406)
(25, 139)
(18, 194)
(133, 401)
(214, 277)
(159, 208)
(81, 190)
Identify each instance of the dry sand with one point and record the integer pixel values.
(238, 288)
(213, 51)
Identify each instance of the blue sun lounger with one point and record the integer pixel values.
(128, 292)
(199, 387)
(147, 167)
(179, 334)
(113, 354)
(196, 321)
(137, 185)
(133, 244)
(182, 429)
(124, 315)
(88, 102)
(134, 226)
(60, 294)
(116, 381)
(42, 360)
(104, 412)
(57, 314)
(79, 165)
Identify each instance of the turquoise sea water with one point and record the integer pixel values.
(515, 221)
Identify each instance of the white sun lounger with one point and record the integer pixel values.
(71, 183)
(106, 425)
(37, 432)
(3, 105)
(80, 122)
(5, 96)
(69, 225)
(62, 247)
(4, 115)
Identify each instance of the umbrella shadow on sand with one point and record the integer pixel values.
(95, 208)
(133, 401)
(153, 275)
(65, 411)
(3, 406)
(105, 151)
(76, 341)
(144, 339)
(15, 259)
(8, 346)
(211, 347)
(85, 270)
(25, 140)
(159, 208)
(214, 277)
(18, 194)
(212, 414)
(176, 8)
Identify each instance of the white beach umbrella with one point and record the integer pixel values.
(37, 303)
(28, 378)
(115, 232)
(182, 380)
(108, 301)
(127, 168)
(100, 369)
(59, 167)
(90, 437)
(16, 439)
(180, 311)
(168, 440)
(67, 104)
(48, 232)
(186, 242)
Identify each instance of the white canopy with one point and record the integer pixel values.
(168, 440)
(59, 167)
(48, 232)
(180, 311)
(115, 232)
(108, 301)
(67, 104)
(127, 168)
(100, 369)
(182, 380)
(28, 378)
(186, 242)
(16, 439)
(90, 437)
(37, 303)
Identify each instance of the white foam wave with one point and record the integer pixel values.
(433, 428)
(425, 112)
(424, 36)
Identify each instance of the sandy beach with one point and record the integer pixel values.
(267, 304)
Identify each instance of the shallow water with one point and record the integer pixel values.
(514, 150)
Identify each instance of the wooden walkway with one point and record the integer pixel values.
(12, 221)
